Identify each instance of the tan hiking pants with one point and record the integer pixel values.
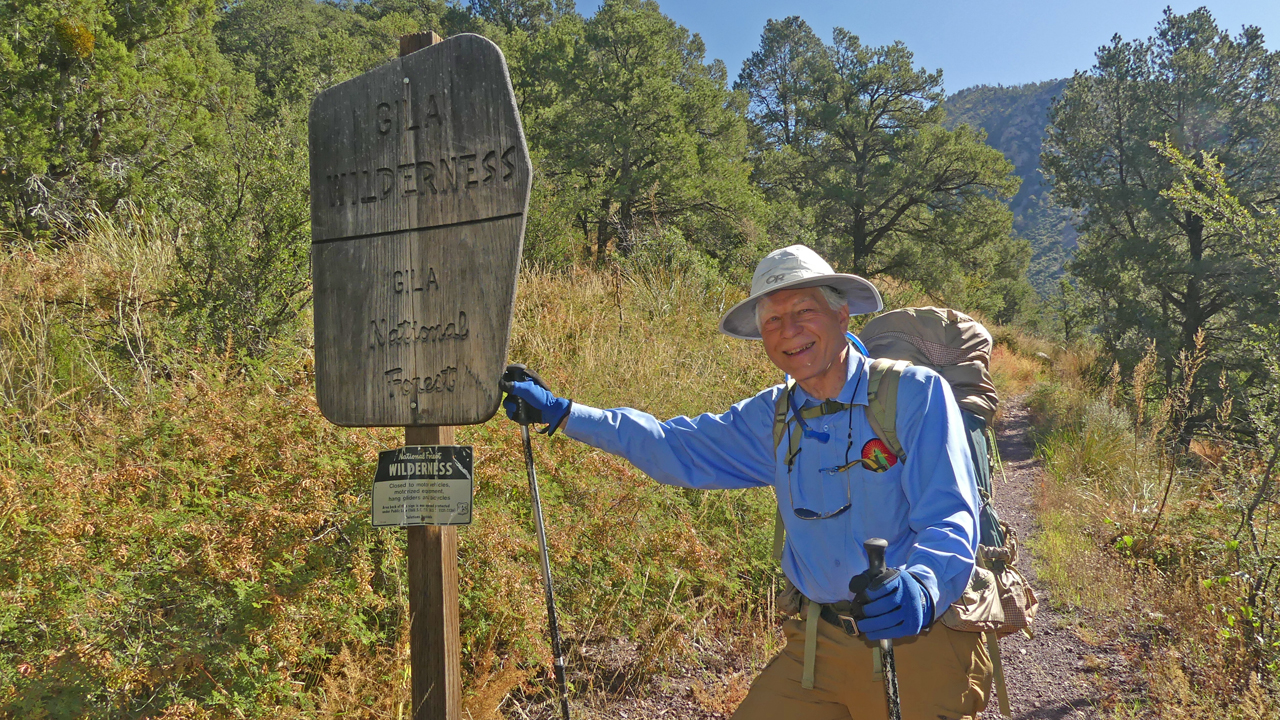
(943, 674)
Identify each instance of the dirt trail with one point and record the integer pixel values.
(1054, 675)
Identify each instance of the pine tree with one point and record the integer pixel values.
(1157, 270)
(101, 100)
(635, 127)
(853, 135)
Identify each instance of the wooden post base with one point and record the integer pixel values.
(435, 650)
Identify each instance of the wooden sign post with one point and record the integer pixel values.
(419, 188)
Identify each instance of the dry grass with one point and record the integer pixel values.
(193, 537)
(182, 535)
(1012, 372)
(78, 325)
(647, 341)
(1140, 540)
(724, 696)
(1068, 557)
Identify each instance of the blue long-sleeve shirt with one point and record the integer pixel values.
(925, 506)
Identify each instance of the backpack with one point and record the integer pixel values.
(958, 348)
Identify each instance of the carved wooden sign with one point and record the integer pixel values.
(419, 188)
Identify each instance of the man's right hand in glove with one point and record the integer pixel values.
(541, 406)
(891, 605)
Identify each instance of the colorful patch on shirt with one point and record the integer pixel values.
(876, 456)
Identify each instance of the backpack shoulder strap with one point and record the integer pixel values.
(780, 413)
(882, 413)
(780, 429)
(779, 535)
(882, 401)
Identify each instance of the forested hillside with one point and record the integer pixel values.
(182, 534)
(1015, 119)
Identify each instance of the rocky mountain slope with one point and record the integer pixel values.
(1014, 119)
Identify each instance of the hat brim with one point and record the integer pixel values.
(862, 298)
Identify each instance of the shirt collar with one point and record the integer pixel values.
(854, 391)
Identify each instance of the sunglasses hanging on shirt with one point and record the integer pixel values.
(806, 513)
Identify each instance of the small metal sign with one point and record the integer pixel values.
(423, 485)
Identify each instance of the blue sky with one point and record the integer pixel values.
(1006, 42)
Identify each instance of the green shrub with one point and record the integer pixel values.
(1127, 519)
(243, 267)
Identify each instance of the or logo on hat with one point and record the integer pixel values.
(775, 278)
(876, 456)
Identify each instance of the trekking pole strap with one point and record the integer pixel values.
(812, 614)
(997, 669)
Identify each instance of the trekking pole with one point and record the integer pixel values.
(875, 548)
(516, 373)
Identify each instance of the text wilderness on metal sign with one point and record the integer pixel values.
(419, 187)
(424, 485)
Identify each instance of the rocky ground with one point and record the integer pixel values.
(1054, 675)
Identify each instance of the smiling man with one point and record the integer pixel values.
(836, 488)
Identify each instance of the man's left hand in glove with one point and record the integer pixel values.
(893, 605)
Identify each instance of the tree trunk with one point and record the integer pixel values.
(602, 232)
(1193, 318)
(586, 235)
(626, 231)
(861, 251)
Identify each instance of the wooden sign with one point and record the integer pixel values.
(419, 188)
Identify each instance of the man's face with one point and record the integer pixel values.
(802, 335)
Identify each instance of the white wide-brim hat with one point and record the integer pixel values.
(796, 267)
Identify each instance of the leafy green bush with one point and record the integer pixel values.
(102, 102)
(243, 267)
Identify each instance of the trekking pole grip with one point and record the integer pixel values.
(515, 373)
(875, 548)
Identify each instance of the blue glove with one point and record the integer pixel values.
(541, 406)
(893, 605)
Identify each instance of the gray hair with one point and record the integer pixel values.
(835, 299)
